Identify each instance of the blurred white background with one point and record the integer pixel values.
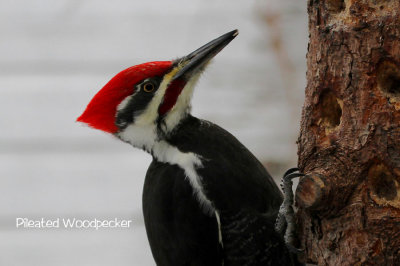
(55, 55)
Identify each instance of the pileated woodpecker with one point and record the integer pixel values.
(207, 200)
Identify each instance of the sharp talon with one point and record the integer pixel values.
(286, 218)
(291, 170)
(293, 175)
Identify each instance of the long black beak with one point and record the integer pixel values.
(196, 60)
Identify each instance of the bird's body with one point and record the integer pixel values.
(207, 200)
(179, 231)
(246, 203)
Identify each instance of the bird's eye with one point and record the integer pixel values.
(148, 87)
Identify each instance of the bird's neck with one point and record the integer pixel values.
(148, 136)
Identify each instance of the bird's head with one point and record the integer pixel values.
(146, 101)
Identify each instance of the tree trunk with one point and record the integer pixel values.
(349, 143)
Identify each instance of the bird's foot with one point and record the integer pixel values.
(286, 215)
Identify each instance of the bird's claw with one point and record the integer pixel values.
(286, 215)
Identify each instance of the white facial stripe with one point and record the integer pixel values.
(142, 133)
(150, 115)
(177, 112)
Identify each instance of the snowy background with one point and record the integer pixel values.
(55, 55)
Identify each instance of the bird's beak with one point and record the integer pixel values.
(198, 59)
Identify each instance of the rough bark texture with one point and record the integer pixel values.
(349, 144)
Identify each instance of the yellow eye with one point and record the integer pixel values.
(148, 87)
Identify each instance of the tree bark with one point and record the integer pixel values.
(349, 143)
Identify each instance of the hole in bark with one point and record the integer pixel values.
(332, 246)
(334, 5)
(388, 78)
(383, 183)
(331, 111)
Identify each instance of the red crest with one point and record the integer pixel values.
(101, 110)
